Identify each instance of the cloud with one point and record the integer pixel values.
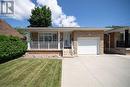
(23, 9)
(59, 18)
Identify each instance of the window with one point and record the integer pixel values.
(48, 36)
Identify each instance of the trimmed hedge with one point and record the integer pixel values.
(11, 47)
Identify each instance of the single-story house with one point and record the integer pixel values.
(117, 41)
(66, 41)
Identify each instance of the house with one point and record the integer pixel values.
(66, 41)
(117, 41)
(6, 29)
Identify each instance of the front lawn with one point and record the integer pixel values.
(31, 73)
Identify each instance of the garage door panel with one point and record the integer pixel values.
(87, 46)
(89, 50)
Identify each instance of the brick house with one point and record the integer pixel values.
(6, 29)
(117, 41)
(66, 41)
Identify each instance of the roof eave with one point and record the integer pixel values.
(64, 28)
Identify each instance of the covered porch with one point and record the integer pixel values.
(118, 41)
(122, 38)
(49, 40)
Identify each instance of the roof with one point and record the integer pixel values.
(6, 29)
(64, 28)
(117, 30)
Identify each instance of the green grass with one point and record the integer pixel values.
(31, 73)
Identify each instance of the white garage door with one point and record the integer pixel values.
(88, 45)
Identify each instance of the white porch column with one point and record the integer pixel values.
(58, 40)
(28, 40)
(63, 41)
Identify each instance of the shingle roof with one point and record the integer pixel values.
(6, 29)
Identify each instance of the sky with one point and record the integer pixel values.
(75, 13)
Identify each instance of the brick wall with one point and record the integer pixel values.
(46, 53)
(89, 33)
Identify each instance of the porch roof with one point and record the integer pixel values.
(64, 28)
(117, 30)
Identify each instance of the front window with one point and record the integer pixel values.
(48, 36)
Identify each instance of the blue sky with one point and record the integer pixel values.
(91, 13)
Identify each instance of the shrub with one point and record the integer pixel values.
(11, 47)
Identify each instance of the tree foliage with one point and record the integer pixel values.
(11, 47)
(41, 17)
(22, 31)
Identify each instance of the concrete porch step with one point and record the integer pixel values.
(67, 53)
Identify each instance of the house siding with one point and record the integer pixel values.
(96, 33)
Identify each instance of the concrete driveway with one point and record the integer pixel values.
(96, 71)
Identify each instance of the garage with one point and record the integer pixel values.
(88, 45)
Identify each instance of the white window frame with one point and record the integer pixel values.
(43, 34)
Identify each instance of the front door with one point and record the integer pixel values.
(67, 40)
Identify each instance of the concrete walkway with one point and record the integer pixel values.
(96, 71)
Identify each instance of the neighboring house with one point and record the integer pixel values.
(6, 29)
(66, 41)
(117, 41)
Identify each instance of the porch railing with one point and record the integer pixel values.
(122, 44)
(46, 45)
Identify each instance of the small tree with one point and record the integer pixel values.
(41, 17)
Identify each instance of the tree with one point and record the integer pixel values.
(41, 17)
(22, 31)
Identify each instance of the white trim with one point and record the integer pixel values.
(117, 30)
(28, 40)
(67, 28)
(58, 40)
(51, 34)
